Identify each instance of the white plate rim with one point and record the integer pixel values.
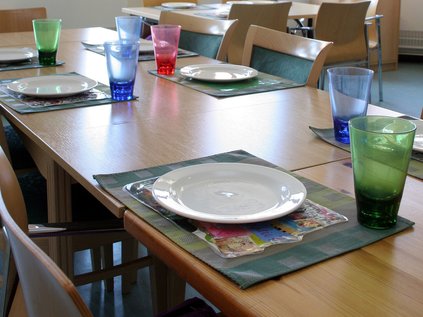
(163, 185)
(187, 72)
(21, 54)
(250, 2)
(178, 5)
(26, 86)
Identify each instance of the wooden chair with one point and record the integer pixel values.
(373, 24)
(47, 291)
(207, 37)
(78, 236)
(20, 20)
(282, 54)
(272, 16)
(344, 25)
(17, 20)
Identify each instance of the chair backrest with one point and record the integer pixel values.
(372, 11)
(152, 3)
(269, 15)
(47, 290)
(20, 20)
(207, 37)
(289, 56)
(344, 25)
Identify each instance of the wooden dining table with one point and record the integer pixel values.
(170, 123)
(297, 11)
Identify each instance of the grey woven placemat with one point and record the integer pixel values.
(143, 57)
(32, 63)
(416, 163)
(99, 95)
(274, 261)
(262, 83)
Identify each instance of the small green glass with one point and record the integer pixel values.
(380, 150)
(47, 35)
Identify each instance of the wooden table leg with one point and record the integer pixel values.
(59, 210)
(167, 288)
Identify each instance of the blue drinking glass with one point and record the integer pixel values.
(122, 61)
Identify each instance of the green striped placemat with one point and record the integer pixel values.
(262, 83)
(275, 261)
(416, 163)
(142, 57)
(33, 63)
(99, 95)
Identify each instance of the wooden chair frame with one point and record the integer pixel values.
(344, 25)
(47, 291)
(305, 48)
(272, 16)
(84, 236)
(20, 20)
(225, 28)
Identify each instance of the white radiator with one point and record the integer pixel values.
(411, 42)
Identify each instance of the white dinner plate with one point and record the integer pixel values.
(16, 54)
(52, 86)
(179, 5)
(218, 72)
(418, 139)
(229, 192)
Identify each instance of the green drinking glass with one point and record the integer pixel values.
(380, 150)
(47, 35)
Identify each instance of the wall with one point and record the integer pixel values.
(77, 13)
(411, 15)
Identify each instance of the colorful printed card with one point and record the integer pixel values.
(234, 240)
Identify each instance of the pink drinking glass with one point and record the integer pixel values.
(165, 41)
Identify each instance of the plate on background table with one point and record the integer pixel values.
(52, 86)
(16, 54)
(218, 72)
(178, 5)
(229, 192)
(250, 2)
(146, 46)
(418, 139)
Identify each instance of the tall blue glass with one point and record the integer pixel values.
(122, 61)
(128, 27)
(349, 91)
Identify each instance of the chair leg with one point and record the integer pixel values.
(108, 263)
(129, 253)
(379, 58)
(95, 259)
(322, 79)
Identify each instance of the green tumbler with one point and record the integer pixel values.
(380, 149)
(47, 35)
